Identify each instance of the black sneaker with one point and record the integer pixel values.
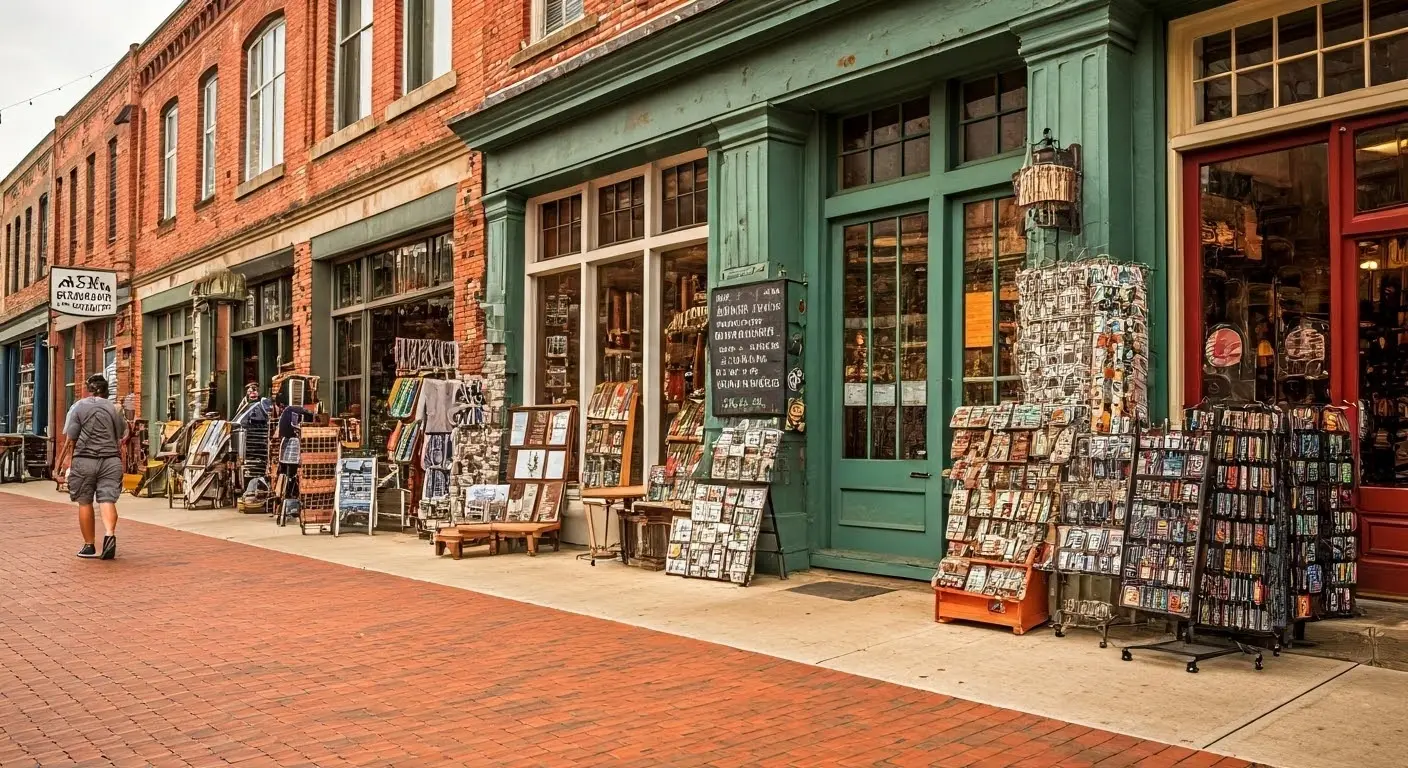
(109, 547)
(88, 553)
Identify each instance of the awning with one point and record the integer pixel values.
(27, 325)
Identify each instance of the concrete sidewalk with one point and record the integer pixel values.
(1301, 710)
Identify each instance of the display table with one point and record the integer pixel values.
(606, 499)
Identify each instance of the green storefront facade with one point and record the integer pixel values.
(863, 151)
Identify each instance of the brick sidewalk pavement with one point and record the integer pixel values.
(188, 650)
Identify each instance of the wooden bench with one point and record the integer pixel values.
(530, 533)
(447, 539)
(456, 539)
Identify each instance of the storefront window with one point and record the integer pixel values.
(591, 280)
(1380, 168)
(560, 227)
(175, 352)
(994, 249)
(885, 144)
(621, 212)
(684, 313)
(1383, 360)
(993, 120)
(267, 303)
(885, 343)
(1299, 56)
(263, 336)
(70, 369)
(1265, 246)
(408, 296)
(559, 317)
(101, 353)
(684, 195)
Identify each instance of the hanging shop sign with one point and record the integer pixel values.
(747, 349)
(83, 292)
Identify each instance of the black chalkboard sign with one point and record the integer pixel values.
(747, 349)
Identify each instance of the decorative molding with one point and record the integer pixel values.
(760, 122)
(1074, 26)
(183, 39)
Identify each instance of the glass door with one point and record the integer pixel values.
(888, 481)
(1374, 208)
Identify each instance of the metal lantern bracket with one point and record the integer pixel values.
(1049, 185)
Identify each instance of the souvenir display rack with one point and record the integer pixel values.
(355, 497)
(1166, 517)
(1003, 503)
(1323, 527)
(540, 443)
(319, 451)
(1242, 587)
(611, 430)
(1090, 532)
(719, 540)
(669, 489)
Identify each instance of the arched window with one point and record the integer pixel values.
(264, 118)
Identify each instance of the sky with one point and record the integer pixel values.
(47, 43)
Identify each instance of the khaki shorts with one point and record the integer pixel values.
(90, 479)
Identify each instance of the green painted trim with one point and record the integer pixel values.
(404, 219)
(256, 270)
(26, 324)
(320, 297)
(505, 222)
(876, 565)
(863, 201)
(167, 299)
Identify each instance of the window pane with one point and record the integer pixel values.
(349, 283)
(884, 337)
(855, 133)
(1012, 256)
(1388, 60)
(1299, 80)
(1014, 131)
(349, 345)
(444, 256)
(1266, 284)
(683, 322)
(1214, 54)
(916, 156)
(1379, 167)
(855, 304)
(1344, 70)
(1343, 21)
(1387, 15)
(978, 252)
(1253, 44)
(980, 140)
(1014, 90)
(980, 98)
(1296, 32)
(1383, 344)
(559, 337)
(347, 399)
(270, 309)
(916, 117)
(620, 316)
(1253, 90)
(1214, 99)
(855, 170)
(887, 163)
(885, 125)
(914, 336)
(383, 275)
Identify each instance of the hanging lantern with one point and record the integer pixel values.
(1048, 186)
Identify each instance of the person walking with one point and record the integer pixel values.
(96, 427)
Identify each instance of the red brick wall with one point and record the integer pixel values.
(20, 192)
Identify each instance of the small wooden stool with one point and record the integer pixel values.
(530, 533)
(451, 540)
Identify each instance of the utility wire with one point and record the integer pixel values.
(29, 101)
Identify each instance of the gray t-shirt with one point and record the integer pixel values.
(95, 427)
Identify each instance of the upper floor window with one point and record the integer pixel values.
(28, 233)
(90, 196)
(885, 144)
(168, 162)
(264, 119)
(207, 138)
(72, 214)
(684, 195)
(427, 53)
(560, 223)
(552, 15)
(354, 62)
(993, 115)
(621, 212)
(112, 190)
(42, 245)
(267, 303)
(1323, 50)
(12, 273)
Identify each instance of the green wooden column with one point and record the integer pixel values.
(503, 288)
(756, 203)
(1095, 73)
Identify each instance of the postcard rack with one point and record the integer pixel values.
(1005, 495)
(609, 453)
(1323, 526)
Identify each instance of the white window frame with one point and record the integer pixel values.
(209, 94)
(653, 247)
(542, 10)
(264, 105)
(441, 39)
(170, 123)
(362, 38)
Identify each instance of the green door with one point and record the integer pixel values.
(886, 510)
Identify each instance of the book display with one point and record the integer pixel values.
(609, 452)
(1324, 546)
(1004, 500)
(24, 410)
(719, 539)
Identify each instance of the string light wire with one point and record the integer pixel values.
(29, 101)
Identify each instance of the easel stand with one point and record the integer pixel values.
(1187, 646)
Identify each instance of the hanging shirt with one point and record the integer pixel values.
(437, 400)
(291, 417)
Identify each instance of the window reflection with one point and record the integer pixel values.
(994, 249)
(1383, 360)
